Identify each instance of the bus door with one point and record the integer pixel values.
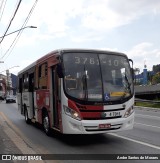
(56, 97)
(31, 90)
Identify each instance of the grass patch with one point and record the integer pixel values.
(147, 104)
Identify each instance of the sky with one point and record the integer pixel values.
(128, 26)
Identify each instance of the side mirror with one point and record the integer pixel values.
(132, 71)
(60, 70)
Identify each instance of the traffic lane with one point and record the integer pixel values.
(104, 144)
(10, 110)
(146, 127)
(75, 144)
(148, 111)
(144, 134)
(84, 144)
(152, 121)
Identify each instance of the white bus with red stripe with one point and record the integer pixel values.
(78, 91)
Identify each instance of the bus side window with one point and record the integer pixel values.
(31, 82)
(20, 85)
(42, 76)
(25, 82)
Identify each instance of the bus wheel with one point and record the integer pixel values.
(26, 117)
(46, 124)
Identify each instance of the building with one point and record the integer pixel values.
(8, 84)
(3, 87)
(146, 77)
(14, 83)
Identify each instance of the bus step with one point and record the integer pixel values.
(55, 128)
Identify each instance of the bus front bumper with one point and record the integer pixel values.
(72, 126)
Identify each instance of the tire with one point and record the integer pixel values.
(28, 121)
(46, 124)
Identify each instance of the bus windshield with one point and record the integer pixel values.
(97, 77)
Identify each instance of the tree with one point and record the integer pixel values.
(156, 68)
(156, 78)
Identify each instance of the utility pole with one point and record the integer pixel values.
(8, 84)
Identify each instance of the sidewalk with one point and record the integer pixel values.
(11, 143)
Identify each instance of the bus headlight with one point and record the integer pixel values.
(129, 112)
(72, 113)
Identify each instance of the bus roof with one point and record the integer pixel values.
(83, 50)
(60, 51)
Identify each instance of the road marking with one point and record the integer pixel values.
(135, 141)
(149, 116)
(146, 125)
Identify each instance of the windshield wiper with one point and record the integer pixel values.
(85, 86)
(127, 87)
(128, 84)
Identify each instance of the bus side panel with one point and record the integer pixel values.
(42, 102)
(25, 100)
(26, 103)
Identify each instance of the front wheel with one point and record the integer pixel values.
(46, 124)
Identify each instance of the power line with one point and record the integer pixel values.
(11, 20)
(2, 8)
(1, 5)
(20, 32)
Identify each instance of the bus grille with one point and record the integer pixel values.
(97, 114)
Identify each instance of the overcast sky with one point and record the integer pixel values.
(128, 26)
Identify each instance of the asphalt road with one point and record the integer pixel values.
(143, 139)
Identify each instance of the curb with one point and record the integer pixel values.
(19, 144)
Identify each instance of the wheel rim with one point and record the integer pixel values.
(46, 123)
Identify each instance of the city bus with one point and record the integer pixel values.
(78, 91)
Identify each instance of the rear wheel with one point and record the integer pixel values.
(26, 116)
(46, 124)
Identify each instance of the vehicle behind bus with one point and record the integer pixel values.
(78, 91)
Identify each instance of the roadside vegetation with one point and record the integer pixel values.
(147, 104)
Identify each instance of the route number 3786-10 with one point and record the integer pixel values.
(92, 61)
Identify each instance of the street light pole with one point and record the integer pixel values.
(18, 30)
(2, 37)
(9, 68)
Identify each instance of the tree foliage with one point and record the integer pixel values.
(156, 78)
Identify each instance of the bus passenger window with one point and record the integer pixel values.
(42, 74)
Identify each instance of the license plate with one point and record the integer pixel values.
(113, 114)
(102, 126)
